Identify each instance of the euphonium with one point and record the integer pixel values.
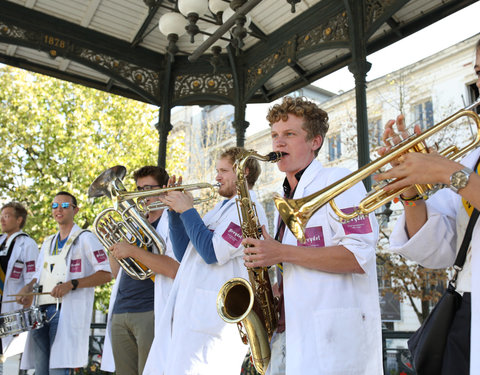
(123, 222)
(250, 305)
(126, 220)
(296, 212)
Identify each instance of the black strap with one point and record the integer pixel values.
(462, 253)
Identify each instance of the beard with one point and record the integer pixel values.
(227, 191)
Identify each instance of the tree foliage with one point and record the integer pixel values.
(60, 136)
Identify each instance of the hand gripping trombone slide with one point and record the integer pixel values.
(250, 304)
(296, 212)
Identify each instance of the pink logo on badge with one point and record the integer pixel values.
(100, 256)
(30, 266)
(233, 235)
(76, 265)
(358, 225)
(313, 237)
(16, 272)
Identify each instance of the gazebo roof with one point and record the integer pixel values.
(116, 46)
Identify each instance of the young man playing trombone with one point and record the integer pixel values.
(194, 339)
(329, 307)
(134, 303)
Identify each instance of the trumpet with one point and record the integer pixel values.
(126, 219)
(296, 212)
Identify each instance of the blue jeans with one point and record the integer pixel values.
(43, 340)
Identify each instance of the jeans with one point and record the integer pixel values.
(43, 340)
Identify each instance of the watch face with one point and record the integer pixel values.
(459, 179)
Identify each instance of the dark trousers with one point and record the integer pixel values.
(456, 359)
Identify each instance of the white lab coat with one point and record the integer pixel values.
(436, 244)
(333, 320)
(163, 285)
(22, 263)
(193, 338)
(70, 347)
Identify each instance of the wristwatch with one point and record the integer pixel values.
(74, 283)
(459, 179)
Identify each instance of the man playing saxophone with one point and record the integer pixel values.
(133, 303)
(210, 252)
(329, 308)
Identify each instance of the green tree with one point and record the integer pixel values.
(56, 135)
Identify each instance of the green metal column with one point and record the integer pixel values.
(164, 125)
(359, 68)
(240, 124)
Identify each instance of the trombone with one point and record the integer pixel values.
(296, 212)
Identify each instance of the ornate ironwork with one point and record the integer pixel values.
(374, 9)
(265, 66)
(334, 30)
(215, 84)
(144, 78)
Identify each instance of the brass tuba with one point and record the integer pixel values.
(296, 212)
(126, 219)
(250, 304)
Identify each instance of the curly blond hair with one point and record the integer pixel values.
(315, 119)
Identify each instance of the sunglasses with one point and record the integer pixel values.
(147, 187)
(64, 205)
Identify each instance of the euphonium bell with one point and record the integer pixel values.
(296, 212)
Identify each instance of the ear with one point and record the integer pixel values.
(317, 142)
(246, 171)
(19, 221)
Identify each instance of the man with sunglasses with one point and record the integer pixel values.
(71, 263)
(18, 254)
(133, 303)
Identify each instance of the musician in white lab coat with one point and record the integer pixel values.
(135, 305)
(195, 340)
(431, 232)
(18, 255)
(71, 263)
(330, 313)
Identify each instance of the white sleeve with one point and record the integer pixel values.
(434, 245)
(359, 235)
(29, 257)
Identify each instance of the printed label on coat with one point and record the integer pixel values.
(16, 272)
(358, 225)
(233, 235)
(100, 256)
(76, 265)
(313, 237)
(30, 266)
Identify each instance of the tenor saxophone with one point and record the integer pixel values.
(250, 304)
